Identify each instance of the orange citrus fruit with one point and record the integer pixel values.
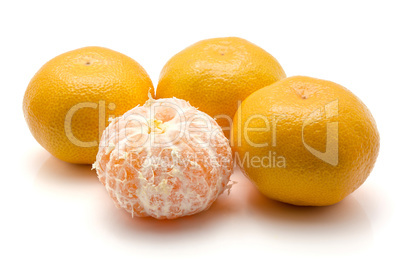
(305, 141)
(215, 74)
(165, 159)
(69, 100)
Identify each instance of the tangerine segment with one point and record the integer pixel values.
(165, 159)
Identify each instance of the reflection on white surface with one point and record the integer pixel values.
(343, 227)
(76, 206)
(64, 179)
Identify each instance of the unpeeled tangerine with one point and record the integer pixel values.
(165, 159)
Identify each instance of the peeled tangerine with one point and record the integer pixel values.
(165, 159)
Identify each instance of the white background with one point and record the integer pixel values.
(54, 213)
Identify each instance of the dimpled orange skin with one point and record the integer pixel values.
(165, 159)
(99, 78)
(306, 179)
(215, 74)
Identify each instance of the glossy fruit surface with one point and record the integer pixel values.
(69, 100)
(215, 74)
(305, 141)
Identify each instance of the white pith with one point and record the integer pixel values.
(124, 140)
